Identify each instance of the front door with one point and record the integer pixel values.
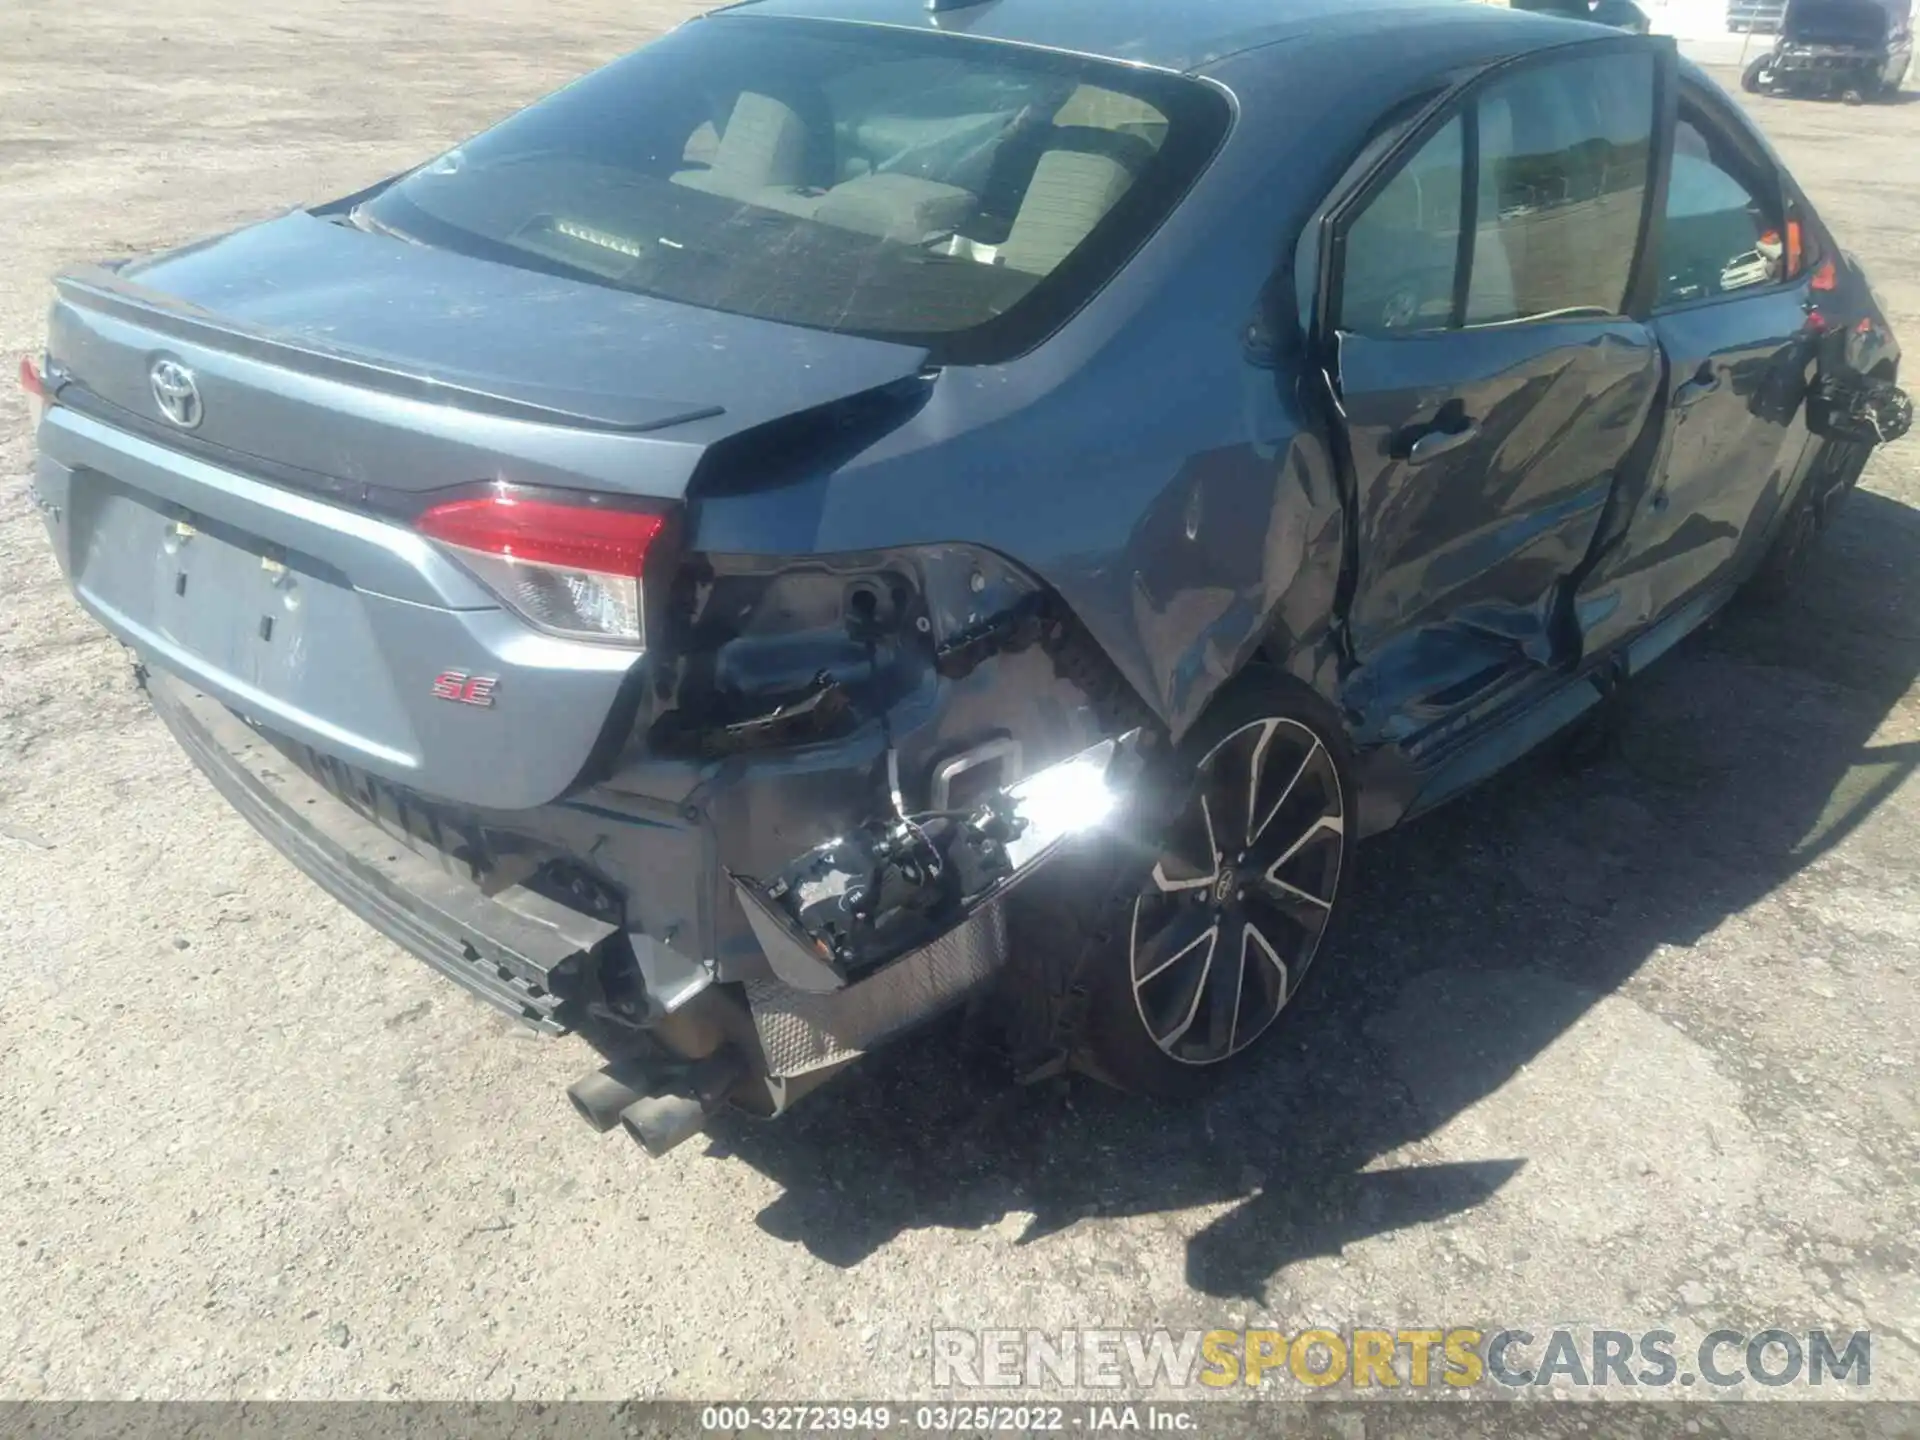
(1491, 382)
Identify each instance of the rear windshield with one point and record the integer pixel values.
(960, 194)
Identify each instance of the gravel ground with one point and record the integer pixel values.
(1629, 1046)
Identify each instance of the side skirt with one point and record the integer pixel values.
(1542, 716)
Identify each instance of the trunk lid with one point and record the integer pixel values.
(367, 361)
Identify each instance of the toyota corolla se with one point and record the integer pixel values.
(861, 505)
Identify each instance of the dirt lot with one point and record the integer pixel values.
(1632, 1046)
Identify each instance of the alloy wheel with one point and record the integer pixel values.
(1224, 928)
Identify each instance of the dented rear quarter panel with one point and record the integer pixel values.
(1171, 486)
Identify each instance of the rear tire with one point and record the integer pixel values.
(1192, 932)
(1757, 78)
(1835, 472)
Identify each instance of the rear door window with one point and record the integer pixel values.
(1551, 165)
(1723, 231)
(934, 189)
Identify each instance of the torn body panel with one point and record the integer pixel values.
(954, 681)
(1163, 478)
(899, 881)
(1733, 440)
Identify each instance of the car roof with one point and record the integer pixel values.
(1182, 35)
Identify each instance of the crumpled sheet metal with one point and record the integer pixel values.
(801, 1031)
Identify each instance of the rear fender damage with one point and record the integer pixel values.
(901, 881)
(876, 747)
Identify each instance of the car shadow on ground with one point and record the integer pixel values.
(1742, 757)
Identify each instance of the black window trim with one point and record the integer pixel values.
(1469, 212)
(1338, 214)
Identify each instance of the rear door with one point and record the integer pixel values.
(1731, 310)
(1492, 378)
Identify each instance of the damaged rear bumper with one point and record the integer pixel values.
(518, 951)
(812, 1013)
(787, 1022)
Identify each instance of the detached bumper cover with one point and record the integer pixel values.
(520, 953)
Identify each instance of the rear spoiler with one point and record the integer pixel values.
(101, 288)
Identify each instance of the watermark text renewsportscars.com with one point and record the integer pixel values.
(1407, 1358)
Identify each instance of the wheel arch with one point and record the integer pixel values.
(1238, 565)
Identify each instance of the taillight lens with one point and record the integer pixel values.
(574, 569)
(36, 388)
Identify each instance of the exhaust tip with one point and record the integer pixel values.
(659, 1123)
(599, 1096)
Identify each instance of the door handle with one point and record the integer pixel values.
(1704, 382)
(1438, 442)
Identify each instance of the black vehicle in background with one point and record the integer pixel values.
(1854, 49)
(1761, 17)
(1619, 14)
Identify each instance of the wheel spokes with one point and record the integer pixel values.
(1169, 989)
(1257, 939)
(1307, 872)
(1193, 851)
(1228, 782)
(1164, 940)
(1306, 913)
(1256, 772)
(1225, 984)
(1314, 751)
(1267, 976)
(1241, 893)
(1179, 1031)
(1216, 996)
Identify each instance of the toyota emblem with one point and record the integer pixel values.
(176, 393)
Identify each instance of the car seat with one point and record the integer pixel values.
(1100, 142)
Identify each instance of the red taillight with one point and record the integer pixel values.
(1825, 277)
(546, 532)
(574, 569)
(37, 397)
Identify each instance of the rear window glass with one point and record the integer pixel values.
(955, 193)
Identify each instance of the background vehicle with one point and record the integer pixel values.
(1760, 17)
(1855, 49)
(1620, 14)
(820, 517)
